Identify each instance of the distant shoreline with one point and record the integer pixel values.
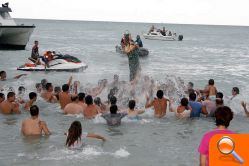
(150, 23)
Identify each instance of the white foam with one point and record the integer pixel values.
(121, 153)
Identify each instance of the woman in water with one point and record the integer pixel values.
(75, 136)
(223, 116)
(183, 111)
(132, 51)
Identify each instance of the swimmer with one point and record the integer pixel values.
(82, 100)
(75, 136)
(32, 100)
(113, 118)
(159, 104)
(20, 95)
(48, 95)
(183, 111)
(210, 91)
(132, 112)
(3, 76)
(64, 96)
(38, 87)
(91, 110)
(9, 106)
(33, 125)
(73, 107)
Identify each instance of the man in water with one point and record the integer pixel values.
(82, 100)
(91, 110)
(33, 125)
(73, 107)
(48, 94)
(159, 104)
(2, 97)
(3, 76)
(113, 118)
(9, 106)
(64, 96)
(35, 53)
(32, 100)
(210, 91)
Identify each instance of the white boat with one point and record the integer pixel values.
(143, 52)
(59, 63)
(158, 36)
(12, 36)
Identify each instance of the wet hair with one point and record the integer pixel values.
(57, 89)
(74, 97)
(191, 84)
(184, 102)
(97, 101)
(74, 133)
(219, 101)
(48, 85)
(10, 94)
(236, 89)
(65, 87)
(36, 41)
(37, 85)
(132, 104)
(34, 110)
(2, 95)
(211, 82)
(81, 96)
(159, 94)
(2, 72)
(32, 95)
(219, 95)
(21, 88)
(192, 96)
(223, 116)
(113, 100)
(43, 83)
(89, 100)
(113, 109)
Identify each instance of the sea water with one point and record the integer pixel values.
(218, 52)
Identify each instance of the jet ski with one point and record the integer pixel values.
(143, 52)
(60, 62)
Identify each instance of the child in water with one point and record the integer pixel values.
(75, 136)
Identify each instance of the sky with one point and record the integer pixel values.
(214, 12)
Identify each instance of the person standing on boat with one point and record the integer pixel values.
(35, 53)
(139, 41)
(131, 49)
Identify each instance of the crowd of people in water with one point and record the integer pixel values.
(191, 103)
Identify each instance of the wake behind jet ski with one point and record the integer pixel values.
(54, 62)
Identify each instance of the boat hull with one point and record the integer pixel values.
(15, 37)
(163, 38)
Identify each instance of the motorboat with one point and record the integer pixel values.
(143, 52)
(60, 62)
(13, 36)
(155, 35)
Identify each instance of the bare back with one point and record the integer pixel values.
(90, 112)
(64, 99)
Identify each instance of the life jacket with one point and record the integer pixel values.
(48, 55)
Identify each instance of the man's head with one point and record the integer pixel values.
(49, 87)
(184, 102)
(21, 90)
(97, 101)
(74, 98)
(32, 96)
(38, 87)
(11, 96)
(81, 96)
(2, 97)
(3, 75)
(132, 104)
(44, 82)
(113, 109)
(89, 100)
(235, 91)
(192, 96)
(211, 82)
(36, 42)
(159, 94)
(57, 89)
(219, 95)
(34, 111)
(190, 85)
(65, 88)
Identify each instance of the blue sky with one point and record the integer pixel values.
(220, 12)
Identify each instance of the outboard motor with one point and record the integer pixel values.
(180, 37)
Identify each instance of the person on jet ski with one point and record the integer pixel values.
(139, 41)
(47, 57)
(35, 53)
